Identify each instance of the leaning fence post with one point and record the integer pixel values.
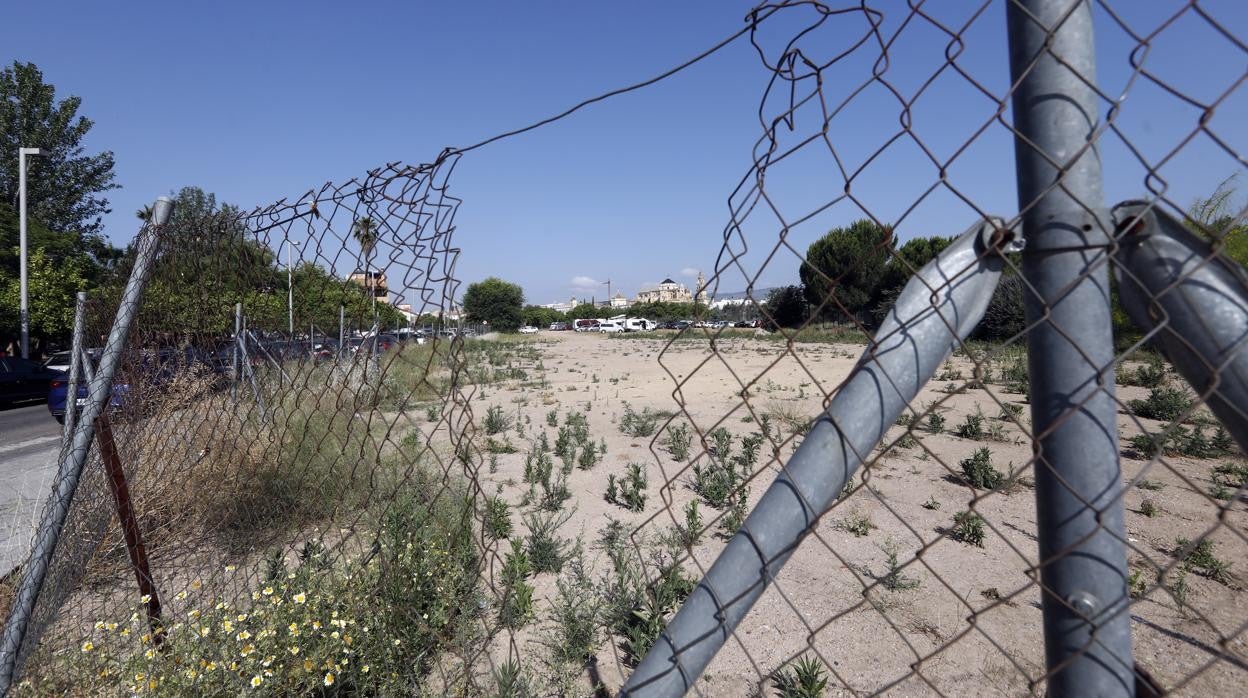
(1083, 560)
(75, 457)
(77, 356)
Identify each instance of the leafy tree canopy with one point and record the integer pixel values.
(843, 269)
(786, 307)
(65, 184)
(497, 302)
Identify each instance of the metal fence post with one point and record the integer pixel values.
(1071, 350)
(77, 356)
(74, 458)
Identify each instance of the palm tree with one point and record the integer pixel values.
(365, 232)
(144, 214)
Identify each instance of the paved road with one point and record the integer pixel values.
(29, 443)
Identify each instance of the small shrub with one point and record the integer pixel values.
(552, 418)
(806, 679)
(1149, 508)
(1150, 375)
(722, 442)
(894, 579)
(495, 447)
(679, 439)
(690, 532)
(1220, 492)
(516, 606)
(630, 491)
(643, 423)
(1016, 377)
(935, 422)
(858, 524)
(497, 518)
(972, 427)
(1164, 404)
(1136, 584)
(588, 458)
(574, 635)
(1202, 560)
(977, 470)
(737, 513)
(433, 413)
(545, 549)
(968, 527)
(496, 422)
(1010, 411)
(1233, 475)
(1150, 485)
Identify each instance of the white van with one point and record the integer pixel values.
(610, 326)
(634, 324)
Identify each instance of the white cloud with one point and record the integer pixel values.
(689, 271)
(584, 283)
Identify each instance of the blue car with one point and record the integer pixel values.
(58, 391)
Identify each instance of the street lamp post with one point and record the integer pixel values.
(21, 197)
(290, 288)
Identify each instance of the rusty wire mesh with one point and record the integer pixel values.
(279, 514)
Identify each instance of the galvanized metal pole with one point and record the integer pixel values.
(74, 458)
(77, 356)
(1083, 558)
(24, 301)
(940, 304)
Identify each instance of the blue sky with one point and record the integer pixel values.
(257, 101)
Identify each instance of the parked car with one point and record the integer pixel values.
(528, 329)
(610, 326)
(586, 325)
(558, 326)
(23, 379)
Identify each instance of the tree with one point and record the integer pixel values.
(843, 269)
(365, 232)
(786, 307)
(496, 302)
(64, 183)
(537, 316)
(589, 311)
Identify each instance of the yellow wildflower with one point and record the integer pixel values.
(255, 596)
(268, 591)
(308, 665)
(196, 584)
(99, 625)
(329, 679)
(88, 646)
(221, 605)
(256, 681)
(140, 676)
(244, 635)
(180, 595)
(277, 601)
(193, 613)
(145, 598)
(268, 660)
(316, 625)
(205, 631)
(334, 634)
(125, 632)
(230, 568)
(248, 649)
(111, 626)
(211, 666)
(191, 673)
(301, 597)
(227, 626)
(241, 617)
(294, 650)
(150, 654)
(364, 669)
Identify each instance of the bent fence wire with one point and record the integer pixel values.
(1019, 471)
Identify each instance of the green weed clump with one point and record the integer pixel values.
(977, 470)
(806, 679)
(1200, 559)
(1164, 404)
(679, 439)
(639, 424)
(630, 491)
(968, 527)
(496, 422)
(972, 427)
(516, 605)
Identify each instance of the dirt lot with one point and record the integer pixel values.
(961, 619)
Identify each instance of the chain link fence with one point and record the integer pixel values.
(1007, 461)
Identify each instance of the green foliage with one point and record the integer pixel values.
(894, 579)
(1004, 318)
(806, 679)
(718, 477)
(496, 302)
(1164, 404)
(1150, 375)
(972, 427)
(1234, 475)
(910, 257)
(546, 550)
(64, 184)
(787, 307)
(552, 418)
(968, 527)
(679, 439)
(576, 612)
(857, 523)
(497, 518)
(978, 470)
(496, 421)
(1200, 559)
(633, 608)
(843, 269)
(935, 422)
(643, 423)
(52, 293)
(588, 458)
(630, 491)
(516, 605)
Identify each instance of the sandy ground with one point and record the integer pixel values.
(972, 624)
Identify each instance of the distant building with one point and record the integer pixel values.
(374, 281)
(669, 291)
(618, 300)
(563, 307)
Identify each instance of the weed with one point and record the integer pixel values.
(935, 422)
(639, 424)
(977, 470)
(496, 422)
(893, 579)
(737, 512)
(546, 550)
(1149, 508)
(1136, 585)
(493, 463)
(968, 527)
(1180, 588)
(1202, 560)
(679, 439)
(575, 611)
(690, 532)
(932, 503)
(495, 447)
(1164, 404)
(1233, 475)
(552, 418)
(806, 679)
(972, 427)
(1220, 492)
(722, 442)
(858, 524)
(516, 606)
(588, 458)
(512, 681)
(1015, 376)
(630, 491)
(433, 413)
(497, 518)
(1150, 375)
(1010, 411)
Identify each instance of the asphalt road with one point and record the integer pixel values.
(29, 443)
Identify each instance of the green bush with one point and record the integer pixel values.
(978, 470)
(643, 423)
(972, 427)
(1164, 404)
(497, 518)
(679, 439)
(806, 679)
(630, 491)
(495, 421)
(546, 550)
(516, 605)
(968, 527)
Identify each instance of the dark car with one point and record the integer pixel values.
(152, 370)
(22, 379)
